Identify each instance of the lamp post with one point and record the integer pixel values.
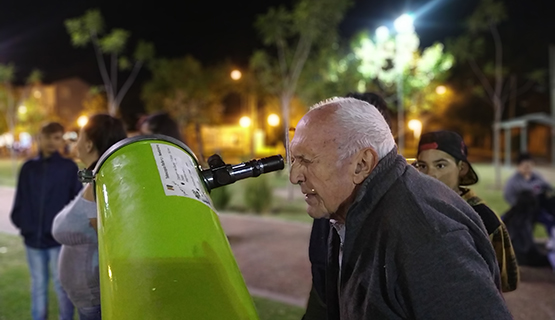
(404, 28)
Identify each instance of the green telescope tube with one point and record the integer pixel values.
(162, 251)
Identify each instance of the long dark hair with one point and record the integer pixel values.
(162, 123)
(103, 131)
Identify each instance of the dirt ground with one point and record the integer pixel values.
(273, 257)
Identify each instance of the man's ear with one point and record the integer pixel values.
(463, 168)
(365, 162)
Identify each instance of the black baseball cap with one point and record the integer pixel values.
(453, 144)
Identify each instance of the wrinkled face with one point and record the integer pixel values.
(442, 166)
(325, 181)
(50, 143)
(526, 167)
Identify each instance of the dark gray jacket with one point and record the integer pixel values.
(413, 249)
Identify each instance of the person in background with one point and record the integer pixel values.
(160, 123)
(318, 245)
(443, 155)
(520, 220)
(45, 185)
(526, 179)
(403, 245)
(75, 226)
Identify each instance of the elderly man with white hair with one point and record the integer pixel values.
(403, 245)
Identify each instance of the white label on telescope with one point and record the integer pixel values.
(178, 173)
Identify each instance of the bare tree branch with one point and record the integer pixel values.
(303, 51)
(282, 59)
(114, 67)
(128, 82)
(103, 70)
(520, 91)
(482, 77)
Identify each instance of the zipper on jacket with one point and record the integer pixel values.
(41, 207)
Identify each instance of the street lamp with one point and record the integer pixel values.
(82, 121)
(245, 122)
(273, 120)
(235, 74)
(416, 127)
(441, 90)
(22, 110)
(404, 28)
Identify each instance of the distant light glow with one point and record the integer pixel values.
(82, 121)
(245, 122)
(404, 24)
(382, 33)
(273, 120)
(441, 90)
(236, 74)
(25, 140)
(22, 110)
(416, 126)
(37, 94)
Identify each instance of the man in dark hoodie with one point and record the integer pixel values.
(46, 184)
(402, 245)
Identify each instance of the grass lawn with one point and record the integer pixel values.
(7, 177)
(15, 296)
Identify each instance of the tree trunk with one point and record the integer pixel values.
(496, 148)
(11, 125)
(285, 102)
(198, 133)
(497, 104)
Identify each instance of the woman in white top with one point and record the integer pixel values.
(75, 226)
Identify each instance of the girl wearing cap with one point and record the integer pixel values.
(443, 155)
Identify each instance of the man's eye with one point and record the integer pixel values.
(440, 166)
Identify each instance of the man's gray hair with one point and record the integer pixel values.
(362, 126)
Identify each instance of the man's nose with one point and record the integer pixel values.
(295, 176)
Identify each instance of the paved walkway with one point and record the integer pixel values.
(272, 256)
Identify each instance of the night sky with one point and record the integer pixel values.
(32, 33)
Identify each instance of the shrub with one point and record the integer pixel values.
(258, 195)
(221, 197)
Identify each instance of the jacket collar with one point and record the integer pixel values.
(55, 156)
(388, 170)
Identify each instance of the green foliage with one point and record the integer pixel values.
(35, 77)
(258, 195)
(115, 41)
(124, 63)
(89, 28)
(186, 89)
(145, 51)
(221, 197)
(81, 29)
(275, 25)
(295, 33)
(7, 72)
(488, 13)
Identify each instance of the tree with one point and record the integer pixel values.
(423, 68)
(470, 48)
(369, 65)
(10, 97)
(95, 102)
(191, 93)
(90, 29)
(309, 25)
